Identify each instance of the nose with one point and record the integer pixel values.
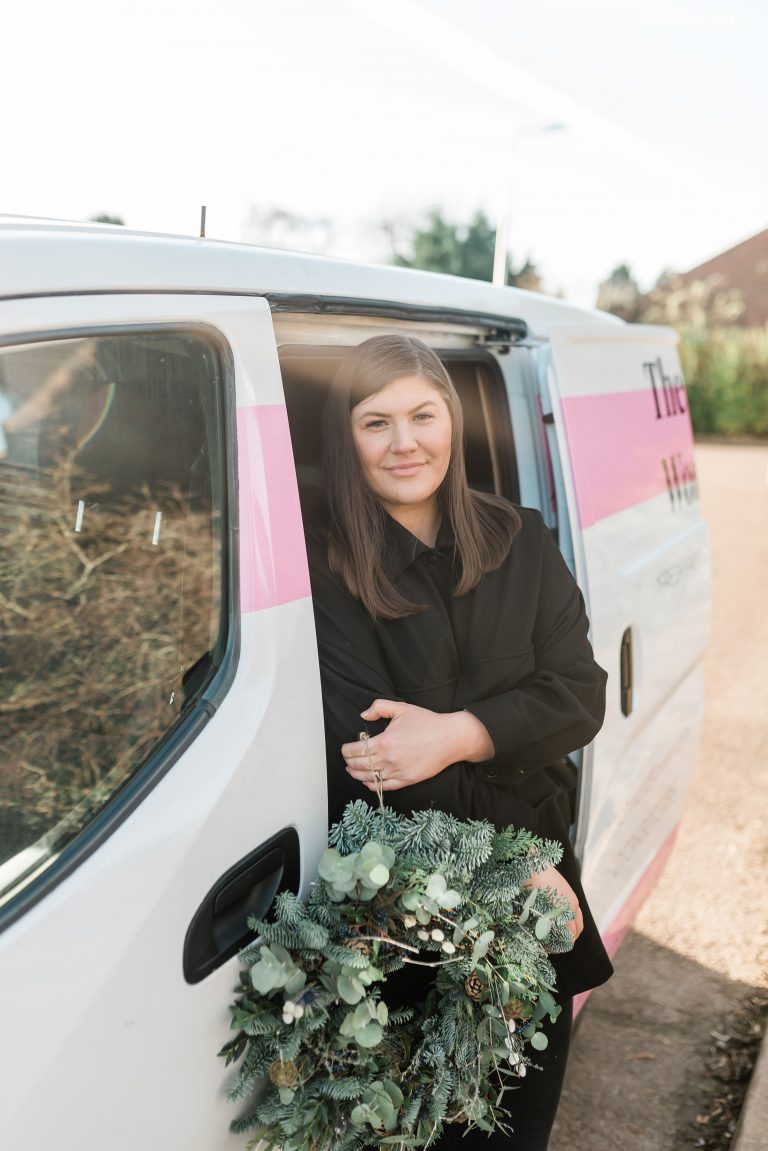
(403, 439)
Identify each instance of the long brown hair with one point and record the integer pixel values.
(484, 525)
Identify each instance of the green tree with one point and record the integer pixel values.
(105, 218)
(621, 295)
(439, 245)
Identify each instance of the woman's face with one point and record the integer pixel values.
(403, 438)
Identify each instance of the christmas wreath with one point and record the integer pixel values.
(326, 1066)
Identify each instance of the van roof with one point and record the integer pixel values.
(40, 257)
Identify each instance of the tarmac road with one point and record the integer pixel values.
(636, 1072)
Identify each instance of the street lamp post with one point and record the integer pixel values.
(504, 216)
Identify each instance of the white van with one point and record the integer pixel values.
(163, 764)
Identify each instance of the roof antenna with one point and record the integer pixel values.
(202, 222)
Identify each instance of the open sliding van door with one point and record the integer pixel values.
(641, 551)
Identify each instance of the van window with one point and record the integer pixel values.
(111, 571)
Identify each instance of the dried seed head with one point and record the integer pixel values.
(283, 1074)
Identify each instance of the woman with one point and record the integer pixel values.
(450, 628)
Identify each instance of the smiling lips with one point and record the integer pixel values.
(405, 469)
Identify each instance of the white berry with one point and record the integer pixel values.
(438, 935)
(292, 1011)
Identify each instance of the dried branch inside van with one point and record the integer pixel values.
(107, 599)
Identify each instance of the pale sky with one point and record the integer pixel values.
(360, 111)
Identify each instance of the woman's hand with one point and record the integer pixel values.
(418, 744)
(552, 878)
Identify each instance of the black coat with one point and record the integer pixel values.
(514, 651)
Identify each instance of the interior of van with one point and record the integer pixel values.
(308, 372)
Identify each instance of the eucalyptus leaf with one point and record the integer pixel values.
(369, 1035)
(436, 886)
(450, 900)
(539, 1011)
(335, 868)
(374, 852)
(369, 975)
(295, 982)
(523, 917)
(350, 988)
(543, 927)
(270, 972)
(539, 1041)
(378, 875)
(394, 1092)
(484, 1032)
(547, 1002)
(481, 945)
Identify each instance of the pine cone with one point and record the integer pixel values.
(361, 945)
(513, 1008)
(474, 986)
(455, 1114)
(283, 1074)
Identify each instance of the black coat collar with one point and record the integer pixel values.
(402, 548)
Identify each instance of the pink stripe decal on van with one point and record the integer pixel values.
(623, 451)
(635, 900)
(273, 559)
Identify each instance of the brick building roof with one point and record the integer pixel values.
(744, 267)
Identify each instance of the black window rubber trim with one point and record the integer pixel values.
(159, 763)
(306, 303)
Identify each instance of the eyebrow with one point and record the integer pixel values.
(364, 415)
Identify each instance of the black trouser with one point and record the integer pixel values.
(533, 1104)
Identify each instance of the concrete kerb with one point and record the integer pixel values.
(751, 1132)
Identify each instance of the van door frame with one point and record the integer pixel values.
(500, 334)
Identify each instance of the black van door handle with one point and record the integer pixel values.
(627, 671)
(219, 929)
